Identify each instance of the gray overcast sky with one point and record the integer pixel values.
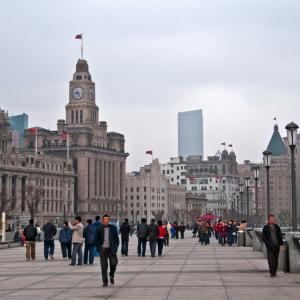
(237, 60)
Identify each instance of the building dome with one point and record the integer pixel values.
(82, 66)
(224, 154)
(232, 155)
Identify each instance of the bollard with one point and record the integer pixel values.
(257, 242)
(241, 239)
(248, 237)
(293, 240)
(264, 250)
(283, 260)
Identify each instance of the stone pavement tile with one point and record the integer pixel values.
(197, 293)
(200, 268)
(199, 280)
(144, 293)
(256, 292)
(246, 279)
(30, 294)
(156, 280)
(59, 281)
(14, 283)
(164, 268)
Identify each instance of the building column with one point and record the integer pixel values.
(96, 171)
(101, 179)
(0, 183)
(106, 179)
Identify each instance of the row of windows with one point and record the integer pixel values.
(145, 205)
(76, 116)
(145, 190)
(145, 197)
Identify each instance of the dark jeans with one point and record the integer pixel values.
(273, 260)
(182, 234)
(107, 255)
(230, 239)
(66, 249)
(48, 248)
(152, 244)
(88, 253)
(77, 249)
(141, 248)
(124, 248)
(160, 246)
(167, 240)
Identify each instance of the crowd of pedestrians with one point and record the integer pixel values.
(101, 238)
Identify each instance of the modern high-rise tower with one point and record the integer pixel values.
(190, 133)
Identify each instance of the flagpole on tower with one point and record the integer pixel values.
(82, 46)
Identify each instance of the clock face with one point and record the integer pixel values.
(91, 94)
(77, 93)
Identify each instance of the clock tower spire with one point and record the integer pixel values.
(82, 108)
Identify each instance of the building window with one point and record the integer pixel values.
(76, 116)
(81, 116)
(145, 189)
(72, 116)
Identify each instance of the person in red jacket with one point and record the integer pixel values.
(160, 237)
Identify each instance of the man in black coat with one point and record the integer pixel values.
(107, 243)
(125, 229)
(30, 234)
(272, 238)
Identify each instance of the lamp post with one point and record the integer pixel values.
(267, 162)
(247, 184)
(241, 186)
(292, 138)
(256, 177)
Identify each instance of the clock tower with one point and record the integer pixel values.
(82, 109)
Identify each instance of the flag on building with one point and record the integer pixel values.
(64, 136)
(223, 144)
(34, 130)
(150, 152)
(78, 36)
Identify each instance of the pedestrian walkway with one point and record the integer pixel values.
(187, 270)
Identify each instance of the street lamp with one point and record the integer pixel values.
(267, 162)
(247, 184)
(292, 139)
(256, 176)
(241, 186)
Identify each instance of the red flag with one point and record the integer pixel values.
(32, 130)
(78, 36)
(64, 136)
(150, 152)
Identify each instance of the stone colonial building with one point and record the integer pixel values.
(98, 156)
(280, 179)
(33, 185)
(149, 194)
(216, 178)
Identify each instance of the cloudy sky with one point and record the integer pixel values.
(239, 61)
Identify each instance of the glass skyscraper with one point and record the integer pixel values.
(18, 124)
(190, 133)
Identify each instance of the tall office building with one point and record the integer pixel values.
(18, 124)
(190, 133)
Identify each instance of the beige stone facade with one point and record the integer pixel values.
(24, 174)
(98, 156)
(149, 194)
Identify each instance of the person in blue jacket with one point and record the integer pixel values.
(89, 236)
(96, 224)
(65, 239)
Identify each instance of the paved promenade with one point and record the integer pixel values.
(187, 270)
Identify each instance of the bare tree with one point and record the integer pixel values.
(34, 195)
(178, 214)
(5, 205)
(158, 214)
